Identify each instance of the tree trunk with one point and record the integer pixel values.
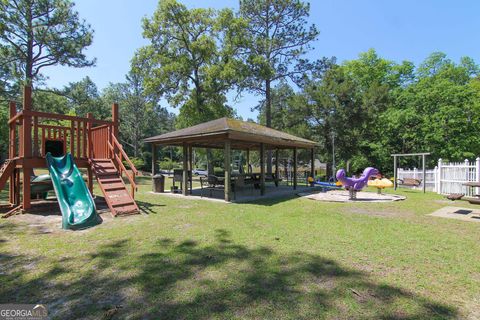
(268, 121)
(29, 53)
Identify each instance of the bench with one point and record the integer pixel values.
(410, 182)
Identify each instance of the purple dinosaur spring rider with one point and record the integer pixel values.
(355, 184)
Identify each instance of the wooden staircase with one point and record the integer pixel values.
(6, 171)
(114, 189)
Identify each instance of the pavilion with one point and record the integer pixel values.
(230, 134)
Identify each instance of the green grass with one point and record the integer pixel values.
(277, 259)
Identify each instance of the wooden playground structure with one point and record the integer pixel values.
(93, 144)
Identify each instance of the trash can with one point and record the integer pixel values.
(158, 183)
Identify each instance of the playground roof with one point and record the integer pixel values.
(241, 134)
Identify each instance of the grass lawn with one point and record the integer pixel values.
(289, 259)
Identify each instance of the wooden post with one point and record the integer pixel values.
(295, 168)
(27, 145)
(85, 138)
(17, 186)
(185, 170)
(248, 161)
(90, 180)
(190, 166)
(424, 180)
(12, 151)
(277, 171)
(312, 164)
(78, 155)
(12, 188)
(394, 172)
(439, 180)
(115, 119)
(89, 136)
(35, 137)
(72, 138)
(228, 169)
(154, 159)
(262, 169)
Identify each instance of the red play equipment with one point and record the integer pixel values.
(93, 144)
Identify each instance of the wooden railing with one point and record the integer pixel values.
(118, 155)
(74, 136)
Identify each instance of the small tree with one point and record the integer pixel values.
(35, 34)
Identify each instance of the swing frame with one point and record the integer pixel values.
(395, 168)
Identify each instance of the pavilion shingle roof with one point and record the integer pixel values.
(241, 134)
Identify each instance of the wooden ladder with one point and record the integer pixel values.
(6, 171)
(114, 189)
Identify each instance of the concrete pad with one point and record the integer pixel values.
(343, 196)
(246, 194)
(464, 214)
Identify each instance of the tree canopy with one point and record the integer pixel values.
(42, 33)
(190, 60)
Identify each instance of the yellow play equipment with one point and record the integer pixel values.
(380, 184)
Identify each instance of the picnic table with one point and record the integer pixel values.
(476, 198)
(237, 180)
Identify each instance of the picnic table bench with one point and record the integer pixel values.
(476, 197)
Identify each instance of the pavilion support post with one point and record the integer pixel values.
(154, 158)
(294, 168)
(312, 164)
(27, 146)
(262, 169)
(394, 172)
(185, 170)
(228, 170)
(424, 180)
(248, 161)
(276, 168)
(190, 167)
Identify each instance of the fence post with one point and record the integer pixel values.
(439, 179)
(467, 170)
(477, 174)
(435, 179)
(414, 173)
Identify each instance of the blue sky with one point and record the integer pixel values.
(398, 30)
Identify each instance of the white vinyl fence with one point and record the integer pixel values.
(447, 177)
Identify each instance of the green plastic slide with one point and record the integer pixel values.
(74, 198)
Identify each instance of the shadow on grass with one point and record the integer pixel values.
(191, 280)
(147, 207)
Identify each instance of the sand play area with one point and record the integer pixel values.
(342, 196)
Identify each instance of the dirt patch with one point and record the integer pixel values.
(45, 217)
(472, 309)
(383, 212)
